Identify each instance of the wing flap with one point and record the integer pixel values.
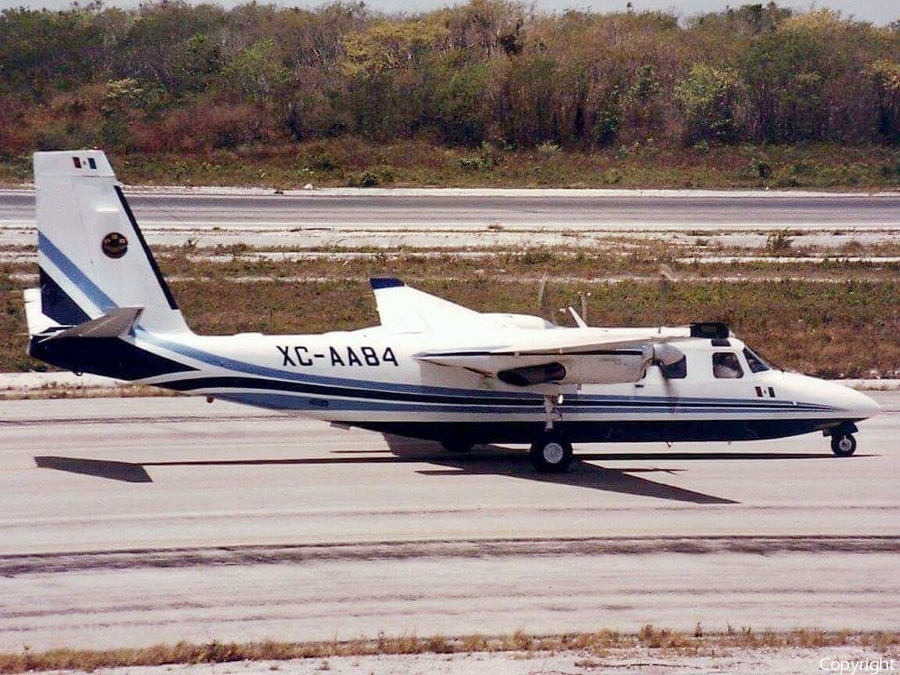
(565, 356)
(574, 341)
(611, 366)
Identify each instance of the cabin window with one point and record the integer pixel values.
(757, 365)
(726, 366)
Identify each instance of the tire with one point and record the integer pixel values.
(843, 445)
(551, 454)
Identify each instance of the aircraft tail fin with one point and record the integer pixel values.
(406, 310)
(92, 255)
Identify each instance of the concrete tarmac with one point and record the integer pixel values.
(570, 210)
(127, 522)
(474, 208)
(347, 218)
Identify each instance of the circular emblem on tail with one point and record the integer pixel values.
(115, 245)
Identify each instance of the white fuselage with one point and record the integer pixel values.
(372, 378)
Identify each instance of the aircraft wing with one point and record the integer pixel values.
(538, 353)
(566, 356)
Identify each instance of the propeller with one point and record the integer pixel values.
(545, 312)
(661, 354)
(664, 354)
(666, 279)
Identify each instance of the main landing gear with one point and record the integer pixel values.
(551, 454)
(843, 445)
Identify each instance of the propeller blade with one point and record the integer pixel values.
(543, 302)
(666, 354)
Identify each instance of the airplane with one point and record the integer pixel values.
(431, 370)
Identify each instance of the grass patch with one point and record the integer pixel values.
(661, 641)
(353, 161)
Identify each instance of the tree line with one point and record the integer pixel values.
(171, 77)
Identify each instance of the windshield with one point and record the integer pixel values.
(756, 362)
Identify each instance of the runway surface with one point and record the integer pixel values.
(337, 218)
(137, 521)
(473, 210)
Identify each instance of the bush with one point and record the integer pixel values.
(708, 97)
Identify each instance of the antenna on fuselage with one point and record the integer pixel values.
(666, 279)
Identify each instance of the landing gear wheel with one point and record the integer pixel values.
(843, 445)
(457, 445)
(551, 454)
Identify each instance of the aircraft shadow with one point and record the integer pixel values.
(100, 468)
(485, 460)
(494, 460)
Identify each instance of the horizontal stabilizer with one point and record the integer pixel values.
(37, 321)
(116, 323)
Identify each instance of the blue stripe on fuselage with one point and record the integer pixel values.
(426, 390)
(363, 397)
(314, 404)
(100, 299)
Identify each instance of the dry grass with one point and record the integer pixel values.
(66, 391)
(597, 644)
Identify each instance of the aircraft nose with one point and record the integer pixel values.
(860, 405)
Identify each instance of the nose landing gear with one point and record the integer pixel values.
(843, 445)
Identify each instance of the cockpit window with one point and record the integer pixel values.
(756, 363)
(726, 365)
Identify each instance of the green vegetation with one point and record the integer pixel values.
(662, 641)
(486, 93)
(357, 162)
